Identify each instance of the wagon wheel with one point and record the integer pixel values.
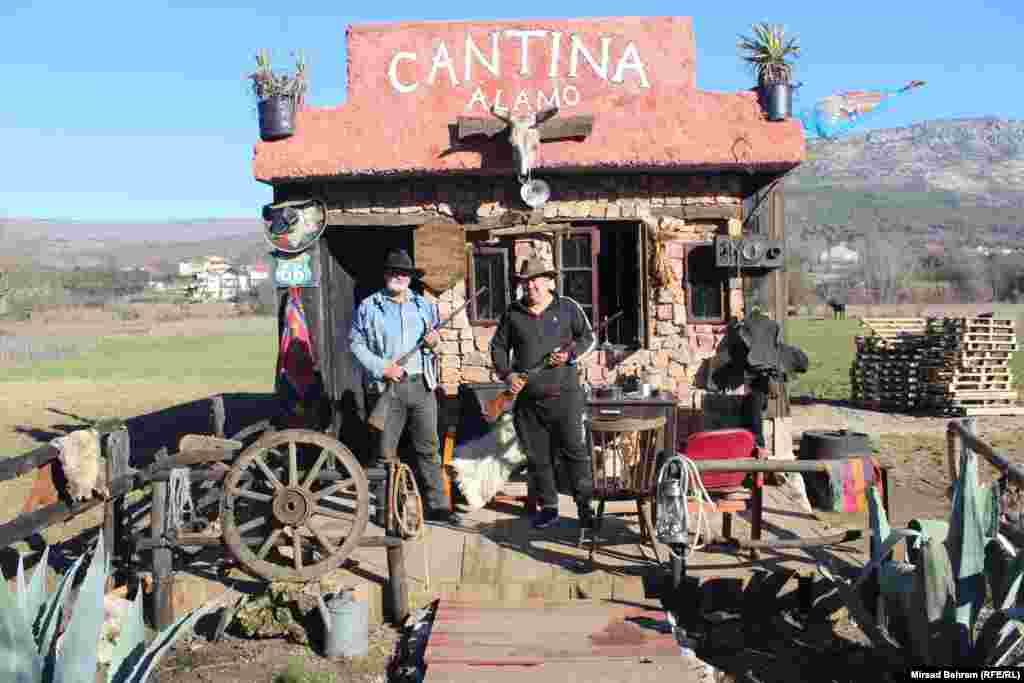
(287, 516)
(206, 494)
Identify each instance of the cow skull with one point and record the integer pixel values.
(524, 134)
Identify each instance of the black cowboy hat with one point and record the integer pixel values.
(399, 259)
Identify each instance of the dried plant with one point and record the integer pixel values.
(266, 84)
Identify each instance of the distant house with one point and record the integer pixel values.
(258, 272)
(190, 268)
(840, 254)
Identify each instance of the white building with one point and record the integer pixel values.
(840, 254)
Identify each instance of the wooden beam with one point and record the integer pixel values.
(18, 465)
(552, 129)
(336, 218)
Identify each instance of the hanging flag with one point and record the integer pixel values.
(839, 113)
(298, 383)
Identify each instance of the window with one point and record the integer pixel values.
(706, 285)
(489, 268)
(578, 251)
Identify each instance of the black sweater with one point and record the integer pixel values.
(523, 339)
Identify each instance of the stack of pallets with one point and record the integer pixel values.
(884, 375)
(966, 370)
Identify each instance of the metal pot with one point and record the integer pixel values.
(277, 117)
(778, 100)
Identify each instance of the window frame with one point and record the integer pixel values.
(595, 250)
(485, 249)
(691, 317)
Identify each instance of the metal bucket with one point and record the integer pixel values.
(778, 100)
(346, 625)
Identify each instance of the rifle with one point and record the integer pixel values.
(494, 408)
(379, 417)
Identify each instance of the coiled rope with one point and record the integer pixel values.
(401, 479)
(180, 508)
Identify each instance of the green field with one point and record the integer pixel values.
(830, 347)
(205, 359)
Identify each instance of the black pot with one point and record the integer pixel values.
(778, 100)
(277, 117)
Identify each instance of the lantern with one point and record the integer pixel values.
(673, 515)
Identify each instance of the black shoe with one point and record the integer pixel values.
(545, 518)
(444, 517)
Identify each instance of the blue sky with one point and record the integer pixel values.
(139, 110)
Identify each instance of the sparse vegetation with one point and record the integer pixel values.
(296, 672)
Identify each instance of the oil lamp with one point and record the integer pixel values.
(673, 515)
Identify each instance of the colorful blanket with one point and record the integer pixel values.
(298, 383)
(849, 481)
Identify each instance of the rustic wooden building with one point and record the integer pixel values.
(645, 171)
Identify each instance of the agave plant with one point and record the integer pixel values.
(768, 51)
(266, 84)
(32, 650)
(953, 568)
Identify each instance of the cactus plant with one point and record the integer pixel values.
(32, 650)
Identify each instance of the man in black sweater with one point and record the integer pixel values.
(536, 347)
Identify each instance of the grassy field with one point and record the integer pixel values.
(830, 346)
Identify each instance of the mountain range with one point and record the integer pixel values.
(951, 181)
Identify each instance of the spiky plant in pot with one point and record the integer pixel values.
(33, 650)
(769, 52)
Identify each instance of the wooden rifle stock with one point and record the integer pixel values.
(379, 417)
(504, 401)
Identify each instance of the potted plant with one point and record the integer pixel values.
(769, 53)
(278, 96)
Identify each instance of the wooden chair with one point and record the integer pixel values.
(624, 461)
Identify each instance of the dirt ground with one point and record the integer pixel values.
(914, 446)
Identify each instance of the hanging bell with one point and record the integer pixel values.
(673, 515)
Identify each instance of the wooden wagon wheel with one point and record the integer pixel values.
(286, 515)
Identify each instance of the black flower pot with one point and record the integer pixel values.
(277, 117)
(777, 100)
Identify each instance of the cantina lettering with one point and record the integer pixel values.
(546, 49)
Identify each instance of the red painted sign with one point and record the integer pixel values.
(522, 66)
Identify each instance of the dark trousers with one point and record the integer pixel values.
(413, 406)
(551, 431)
(756, 401)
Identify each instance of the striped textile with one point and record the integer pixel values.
(849, 481)
(298, 384)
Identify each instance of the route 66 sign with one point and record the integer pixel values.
(294, 272)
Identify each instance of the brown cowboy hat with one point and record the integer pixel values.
(399, 260)
(535, 267)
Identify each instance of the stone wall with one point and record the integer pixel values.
(467, 199)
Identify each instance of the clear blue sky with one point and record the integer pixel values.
(139, 110)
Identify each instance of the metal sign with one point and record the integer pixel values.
(295, 271)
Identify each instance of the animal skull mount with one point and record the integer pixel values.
(524, 134)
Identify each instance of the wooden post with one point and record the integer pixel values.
(118, 452)
(217, 415)
(951, 462)
(163, 569)
(399, 587)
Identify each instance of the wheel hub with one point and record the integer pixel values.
(292, 506)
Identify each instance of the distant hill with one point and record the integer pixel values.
(67, 244)
(956, 181)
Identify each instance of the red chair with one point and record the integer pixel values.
(728, 444)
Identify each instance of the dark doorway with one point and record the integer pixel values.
(619, 284)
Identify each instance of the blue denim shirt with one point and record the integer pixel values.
(383, 330)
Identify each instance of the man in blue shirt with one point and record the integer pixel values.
(387, 324)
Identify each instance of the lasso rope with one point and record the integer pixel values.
(690, 478)
(180, 507)
(400, 476)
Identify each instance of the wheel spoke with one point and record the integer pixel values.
(333, 514)
(293, 464)
(267, 473)
(297, 547)
(252, 495)
(314, 471)
(268, 544)
(321, 537)
(335, 487)
(252, 524)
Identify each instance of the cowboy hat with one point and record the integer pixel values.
(535, 267)
(293, 226)
(399, 260)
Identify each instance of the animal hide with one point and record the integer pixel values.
(483, 466)
(79, 456)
